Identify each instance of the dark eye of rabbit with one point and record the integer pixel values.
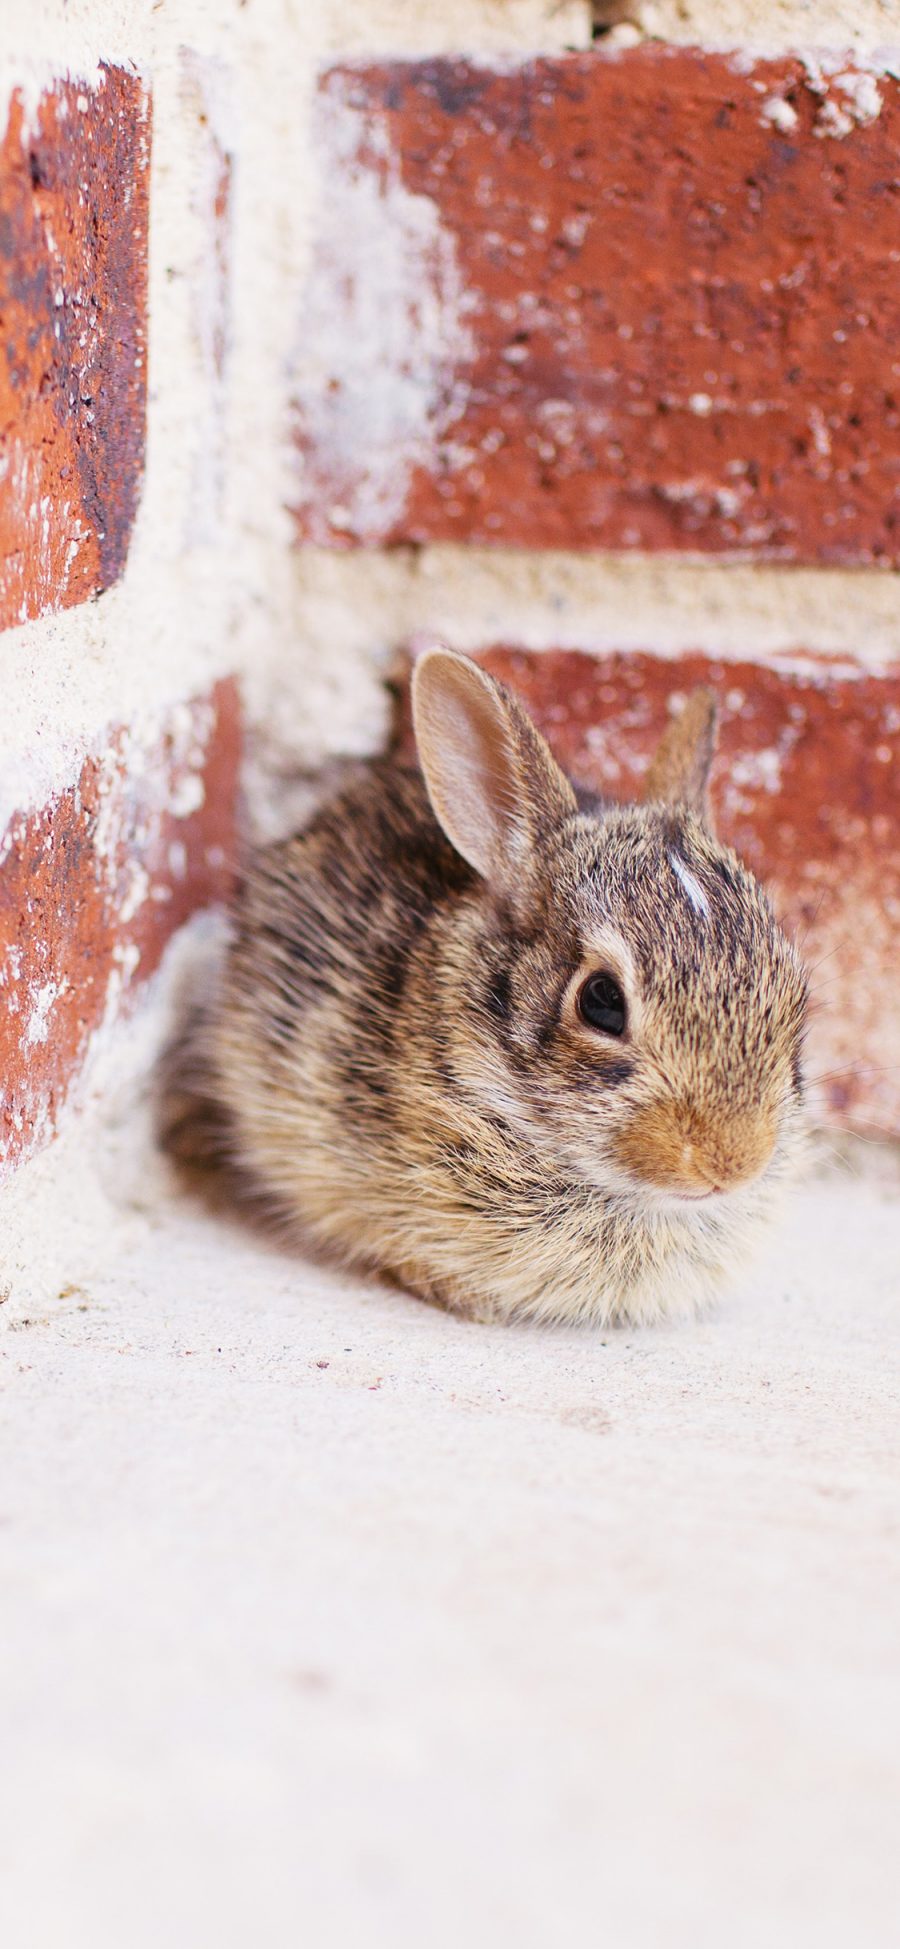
(601, 1004)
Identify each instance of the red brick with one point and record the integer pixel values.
(683, 320)
(806, 786)
(91, 890)
(73, 370)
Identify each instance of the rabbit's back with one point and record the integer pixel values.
(331, 929)
(336, 912)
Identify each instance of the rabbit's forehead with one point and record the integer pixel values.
(629, 869)
(665, 899)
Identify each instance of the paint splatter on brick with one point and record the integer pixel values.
(73, 376)
(651, 301)
(93, 887)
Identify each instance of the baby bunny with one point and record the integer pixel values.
(531, 1054)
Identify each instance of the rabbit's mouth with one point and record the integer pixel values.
(666, 1199)
(708, 1204)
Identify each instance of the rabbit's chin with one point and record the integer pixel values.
(658, 1211)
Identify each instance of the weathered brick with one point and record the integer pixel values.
(648, 301)
(806, 786)
(73, 301)
(91, 889)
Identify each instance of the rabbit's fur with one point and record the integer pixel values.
(395, 1057)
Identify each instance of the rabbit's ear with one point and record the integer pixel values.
(493, 785)
(679, 770)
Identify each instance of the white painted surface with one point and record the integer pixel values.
(328, 1619)
(408, 334)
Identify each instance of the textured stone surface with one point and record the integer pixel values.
(320, 1604)
(769, 26)
(806, 786)
(650, 301)
(93, 887)
(73, 378)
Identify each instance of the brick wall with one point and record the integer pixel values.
(117, 816)
(568, 333)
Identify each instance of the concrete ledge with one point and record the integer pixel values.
(318, 1602)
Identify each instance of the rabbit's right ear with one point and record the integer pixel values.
(679, 770)
(493, 784)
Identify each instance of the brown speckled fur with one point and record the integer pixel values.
(395, 1059)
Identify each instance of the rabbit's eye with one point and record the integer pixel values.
(601, 1004)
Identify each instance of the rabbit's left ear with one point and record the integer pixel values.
(493, 785)
(679, 770)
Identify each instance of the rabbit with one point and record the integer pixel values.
(531, 1054)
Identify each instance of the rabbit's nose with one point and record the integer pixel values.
(678, 1148)
(732, 1156)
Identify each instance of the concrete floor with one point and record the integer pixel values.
(327, 1619)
